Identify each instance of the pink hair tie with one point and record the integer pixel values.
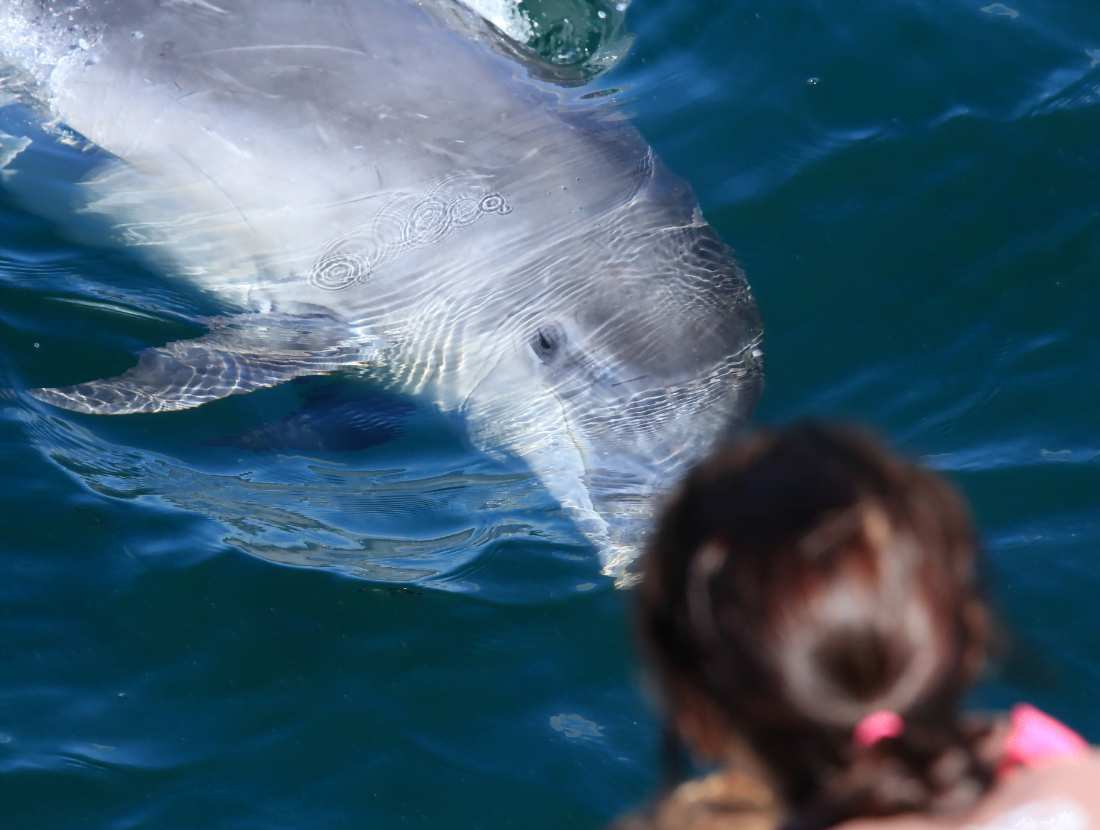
(876, 726)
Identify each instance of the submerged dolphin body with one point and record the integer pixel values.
(397, 184)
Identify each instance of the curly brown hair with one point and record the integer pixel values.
(807, 577)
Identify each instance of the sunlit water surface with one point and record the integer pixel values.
(408, 634)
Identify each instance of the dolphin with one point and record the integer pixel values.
(398, 185)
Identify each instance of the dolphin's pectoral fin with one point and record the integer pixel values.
(333, 419)
(240, 354)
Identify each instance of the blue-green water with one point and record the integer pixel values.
(912, 189)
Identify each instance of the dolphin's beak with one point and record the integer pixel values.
(631, 468)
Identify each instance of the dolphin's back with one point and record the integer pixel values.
(352, 79)
(255, 133)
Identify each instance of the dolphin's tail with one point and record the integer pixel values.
(240, 354)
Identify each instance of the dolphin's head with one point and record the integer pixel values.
(626, 369)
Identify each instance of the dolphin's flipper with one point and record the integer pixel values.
(333, 419)
(240, 354)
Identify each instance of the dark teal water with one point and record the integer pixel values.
(912, 189)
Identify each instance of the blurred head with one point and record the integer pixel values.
(801, 581)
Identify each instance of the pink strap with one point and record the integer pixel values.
(1037, 740)
(876, 726)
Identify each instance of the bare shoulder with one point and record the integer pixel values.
(1061, 797)
(1067, 795)
(726, 800)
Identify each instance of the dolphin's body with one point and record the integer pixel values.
(397, 184)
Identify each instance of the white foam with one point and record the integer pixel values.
(507, 16)
(43, 45)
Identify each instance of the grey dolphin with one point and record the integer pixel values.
(397, 184)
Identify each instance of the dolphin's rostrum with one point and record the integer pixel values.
(396, 183)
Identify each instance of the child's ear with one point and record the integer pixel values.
(702, 725)
(706, 729)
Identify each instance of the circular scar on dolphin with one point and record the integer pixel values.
(400, 185)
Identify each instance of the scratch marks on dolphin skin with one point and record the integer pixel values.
(632, 380)
(405, 223)
(323, 47)
(198, 4)
(213, 184)
(224, 83)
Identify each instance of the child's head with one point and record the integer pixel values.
(802, 581)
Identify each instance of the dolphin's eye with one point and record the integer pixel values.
(547, 341)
